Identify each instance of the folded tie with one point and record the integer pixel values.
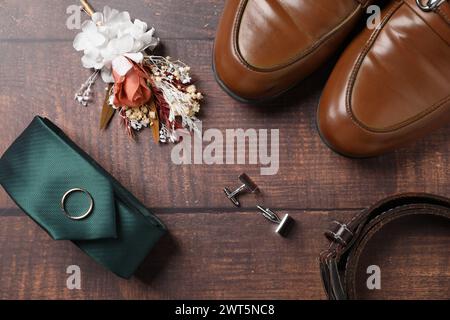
(55, 183)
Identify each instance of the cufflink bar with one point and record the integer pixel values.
(247, 186)
(284, 225)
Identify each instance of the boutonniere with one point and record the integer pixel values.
(146, 91)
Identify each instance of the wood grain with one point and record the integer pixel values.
(226, 256)
(413, 254)
(215, 250)
(46, 19)
(310, 175)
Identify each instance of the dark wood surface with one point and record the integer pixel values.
(214, 250)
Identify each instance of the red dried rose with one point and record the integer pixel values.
(131, 90)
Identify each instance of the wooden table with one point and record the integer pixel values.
(214, 250)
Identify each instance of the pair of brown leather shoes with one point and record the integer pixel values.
(390, 86)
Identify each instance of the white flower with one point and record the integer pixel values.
(109, 38)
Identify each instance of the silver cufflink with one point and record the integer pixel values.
(284, 225)
(247, 185)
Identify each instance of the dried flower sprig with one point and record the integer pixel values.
(84, 94)
(147, 90)
(173, 81)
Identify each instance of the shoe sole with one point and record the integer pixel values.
(231, 93)
(246, 100)
(325, 141)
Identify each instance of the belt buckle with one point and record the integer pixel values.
(339, 232)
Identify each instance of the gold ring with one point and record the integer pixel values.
(63, 204)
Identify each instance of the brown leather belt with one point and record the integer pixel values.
(338, 264)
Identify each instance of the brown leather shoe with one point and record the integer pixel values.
(264, 47)
(392, 84)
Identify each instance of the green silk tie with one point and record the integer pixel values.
(43, 164)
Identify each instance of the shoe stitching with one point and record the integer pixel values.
(352, 80)
(319, 43)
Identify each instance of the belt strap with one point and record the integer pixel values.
(338, 264)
